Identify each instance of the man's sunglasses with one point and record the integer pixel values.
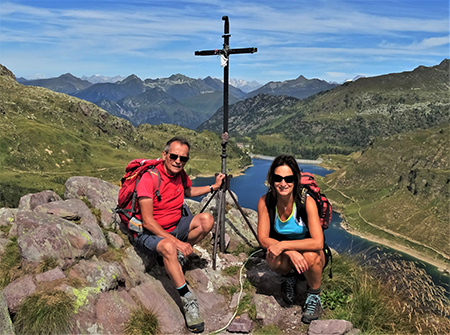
(174, 157)
(288, 179)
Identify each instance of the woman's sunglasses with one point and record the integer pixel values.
(288, 179)
(174, 157)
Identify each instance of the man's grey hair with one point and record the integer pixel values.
(180, 139)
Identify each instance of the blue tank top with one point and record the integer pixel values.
(292, 228)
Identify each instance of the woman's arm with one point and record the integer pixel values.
(264, 224)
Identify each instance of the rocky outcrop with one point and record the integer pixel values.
(108, 279)
(6, 325)
(101, 195)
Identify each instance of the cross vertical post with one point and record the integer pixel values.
(225, 52)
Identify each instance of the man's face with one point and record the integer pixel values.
(171, 165)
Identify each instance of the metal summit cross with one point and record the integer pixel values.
(225, 53)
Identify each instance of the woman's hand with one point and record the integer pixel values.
(298, 261)
(275, 250)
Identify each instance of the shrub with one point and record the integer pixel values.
(142, 322)
(48, 312)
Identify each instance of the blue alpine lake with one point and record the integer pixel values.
(249, 187)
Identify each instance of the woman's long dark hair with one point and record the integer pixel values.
(293, 165)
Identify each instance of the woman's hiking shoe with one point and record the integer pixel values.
(192, 315)
(312, 309)
(288, 288)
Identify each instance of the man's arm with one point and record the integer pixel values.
(200, 190)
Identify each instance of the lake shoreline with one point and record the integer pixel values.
(442, 266)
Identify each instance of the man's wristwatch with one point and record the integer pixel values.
(211, 188)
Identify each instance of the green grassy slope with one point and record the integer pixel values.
(399, 189)
(48, 137)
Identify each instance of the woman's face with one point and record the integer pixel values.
(281, 186)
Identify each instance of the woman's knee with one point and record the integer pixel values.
(279, 265)
(313, 258)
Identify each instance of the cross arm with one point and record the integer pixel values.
(242, 51)
(209, 52)
(229, 51)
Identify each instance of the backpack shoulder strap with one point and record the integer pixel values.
(183, 180)
(270, 205)
(152, 171)
(301, 206)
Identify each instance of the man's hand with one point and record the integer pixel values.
(219, 180)
(184, 247)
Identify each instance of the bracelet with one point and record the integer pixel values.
(211, 188)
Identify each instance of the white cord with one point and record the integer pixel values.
(240, 294)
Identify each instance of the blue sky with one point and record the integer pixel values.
(332, 40)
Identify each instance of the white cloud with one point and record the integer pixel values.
(290, 35)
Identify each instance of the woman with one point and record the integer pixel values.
(294, 242)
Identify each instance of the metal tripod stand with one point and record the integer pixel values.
(225, 52)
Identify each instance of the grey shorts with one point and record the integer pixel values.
(147, 241)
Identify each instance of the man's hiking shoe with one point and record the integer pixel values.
(312, 309)
(192, 315)
(288, 289)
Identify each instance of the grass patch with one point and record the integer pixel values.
(244, 248)
(245, 306)
(46, 264)
(96, 212)
(45, 313)
(268, 330)
(231, 271)
(385, 296)
(229, 291)
(10, 263)
(142, 322)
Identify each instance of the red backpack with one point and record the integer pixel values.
(323, 205)
(128, 207)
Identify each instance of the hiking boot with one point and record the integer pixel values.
(192, 315)
(312, 309)
(288, 289)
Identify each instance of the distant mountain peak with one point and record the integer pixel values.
(130, 78)
(97, 78)
(179, 77)
(68, 75)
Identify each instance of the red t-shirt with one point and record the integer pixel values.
(166, 212)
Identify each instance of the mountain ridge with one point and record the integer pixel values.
(188, 91)
(344, 119)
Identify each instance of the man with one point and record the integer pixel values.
(167, 232)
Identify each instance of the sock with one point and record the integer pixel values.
(182, 290)
(313, 291)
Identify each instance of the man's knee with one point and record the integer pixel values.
(166, 248)
(206, 221)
